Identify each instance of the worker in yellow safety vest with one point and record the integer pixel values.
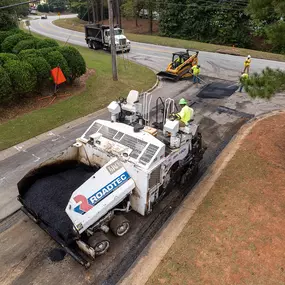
(196, 71)
(247, 63)
(244, 77)
(186, 113)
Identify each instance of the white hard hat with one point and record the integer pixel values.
(248, 56)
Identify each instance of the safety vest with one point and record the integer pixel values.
(186, 114)
(247, 62)
(196, 70)
(243, 77)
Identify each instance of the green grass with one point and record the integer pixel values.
(78, 25)
(100, 90)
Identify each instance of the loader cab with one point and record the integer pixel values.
(179, 58)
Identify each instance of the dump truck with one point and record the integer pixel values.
(128, 163)
(98, 37)
(180, 66)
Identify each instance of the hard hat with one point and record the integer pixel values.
(248, 56)
(182, 101)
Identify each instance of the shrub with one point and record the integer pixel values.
(46, 8)
(6, 93)
(55, 58)
(5, 57)
(40, 8)
(5, 34)
(25, 44)
(51, 8)
(74, 60)
(22, 75)
(41, 66)
(46, 43)
(28, 53)
(45, 51)
(11, 41)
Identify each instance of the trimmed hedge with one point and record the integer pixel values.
(29, 53)
(74, 60)
(45, 51)
(22, 75)
(55, 58)
(24, 45)
(9, 43)
(41, 66)
(6, 93)
(5, 34)
(5, 57)
(46, 43)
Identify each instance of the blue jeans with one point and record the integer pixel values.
(196, 79)
(241, 87)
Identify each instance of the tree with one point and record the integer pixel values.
(266, 84)
(40, 8)
(267, 16)
(58, 5)
(46, 8)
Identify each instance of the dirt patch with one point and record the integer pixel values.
(237, 234)
(33, 102)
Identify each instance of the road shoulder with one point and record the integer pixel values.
(155, 258)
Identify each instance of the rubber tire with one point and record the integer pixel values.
(90, 45)
(97, 238)
(117, 222)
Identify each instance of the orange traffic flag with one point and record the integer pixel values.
(57, 75)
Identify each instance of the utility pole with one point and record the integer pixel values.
(113, 45)
(119, 19)
(93, 12)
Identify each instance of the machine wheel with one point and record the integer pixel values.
(119, 225)
(167, 179)
(99, 242)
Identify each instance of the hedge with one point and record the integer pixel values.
(29, 53)
(5, 34)
(4, 57)
(45, 51)
(46, 43)
(9, 43)
(42, 68)
(74, 60)
(55, 58)
(24, 45)
(6, 93)
(22, 75)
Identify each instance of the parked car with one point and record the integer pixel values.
(44, 17)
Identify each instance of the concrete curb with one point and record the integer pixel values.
(152, 255)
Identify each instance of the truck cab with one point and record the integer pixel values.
(98, 37)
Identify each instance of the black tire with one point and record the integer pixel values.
(119, 225)
(100, 242)
(90, 44)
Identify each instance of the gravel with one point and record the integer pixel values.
(48, 197)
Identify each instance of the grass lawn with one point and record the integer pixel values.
(78, 25)
(100, 91)
(237, 234)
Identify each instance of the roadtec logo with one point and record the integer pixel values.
(87, 204)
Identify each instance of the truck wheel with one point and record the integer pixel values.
(99, 242)
(119, 225)
(90, 44)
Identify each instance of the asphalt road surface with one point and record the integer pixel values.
(24, 247)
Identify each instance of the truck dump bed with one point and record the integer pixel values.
(45, 193)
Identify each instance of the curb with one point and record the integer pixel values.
(6, 153)
(152, 255)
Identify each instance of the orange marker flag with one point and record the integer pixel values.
(57, 75)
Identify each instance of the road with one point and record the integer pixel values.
(24, 247)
